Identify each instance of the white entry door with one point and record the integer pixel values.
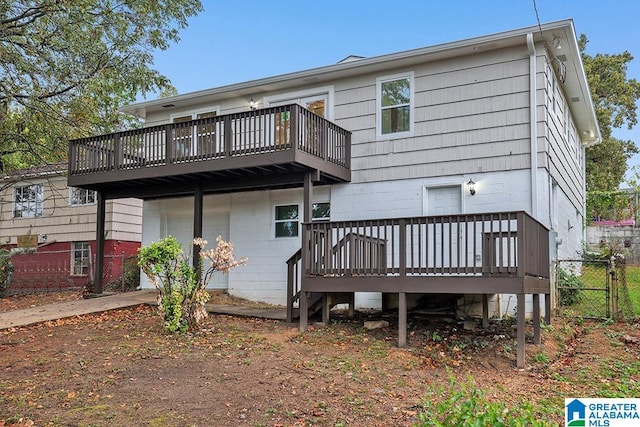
(444, 201)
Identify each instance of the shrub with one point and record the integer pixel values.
(181, 296)
(6, 270)
(569, 287)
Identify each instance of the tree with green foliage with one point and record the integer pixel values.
(68, 65)
(614, 97)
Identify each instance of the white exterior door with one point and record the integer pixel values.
(445, 201)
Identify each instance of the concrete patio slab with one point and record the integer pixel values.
(32, 315)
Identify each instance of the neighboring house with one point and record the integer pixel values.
(435, 170)
(51, 229)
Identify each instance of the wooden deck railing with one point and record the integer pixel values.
(293, 282)
(288, 127)
(508, 244)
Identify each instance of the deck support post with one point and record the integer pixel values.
(402, 320)
(307, 215)
(547, 309)
(352, 305)
(100, 237)
(485, 310)
(520, 361)
(326, 306)
(197, 229)
(536, 319)
(304, 311)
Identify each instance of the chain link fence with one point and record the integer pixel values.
(52, 271)
(592, 289)
(121, 273)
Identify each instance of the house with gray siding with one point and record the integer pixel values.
(450, 169)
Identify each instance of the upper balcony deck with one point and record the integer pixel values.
(267, 148)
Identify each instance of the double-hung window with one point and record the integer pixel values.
(28, 201)
(395, 103)
(81, 196)
(287, 220)
(80, 258)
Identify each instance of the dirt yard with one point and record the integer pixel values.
(121, 368)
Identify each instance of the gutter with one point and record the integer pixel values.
(533, 123)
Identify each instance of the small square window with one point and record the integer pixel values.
(321, 211)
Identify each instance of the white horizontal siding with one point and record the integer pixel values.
(470, 114)
(562, 160)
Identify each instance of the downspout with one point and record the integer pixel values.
(533, 123)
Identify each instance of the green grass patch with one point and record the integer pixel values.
(633, 287)
(585, 296)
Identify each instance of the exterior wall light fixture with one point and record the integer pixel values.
(253, 104)
(471, 186)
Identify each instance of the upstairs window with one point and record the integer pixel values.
(81, 196)
(28, 201)
(395, 105)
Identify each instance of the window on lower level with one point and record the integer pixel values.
(28, 201)
(287, 220)
(80, 256)
(288, 217)
(81, 196)
(321, 211)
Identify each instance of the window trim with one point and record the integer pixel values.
(38, 213)
(383, 79)
(81, 204)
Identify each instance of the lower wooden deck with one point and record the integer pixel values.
(481, 254)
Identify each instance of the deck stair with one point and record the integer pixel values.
(350, 244)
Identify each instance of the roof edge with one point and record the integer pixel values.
(343, 66)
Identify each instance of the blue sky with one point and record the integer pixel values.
(234, 41)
